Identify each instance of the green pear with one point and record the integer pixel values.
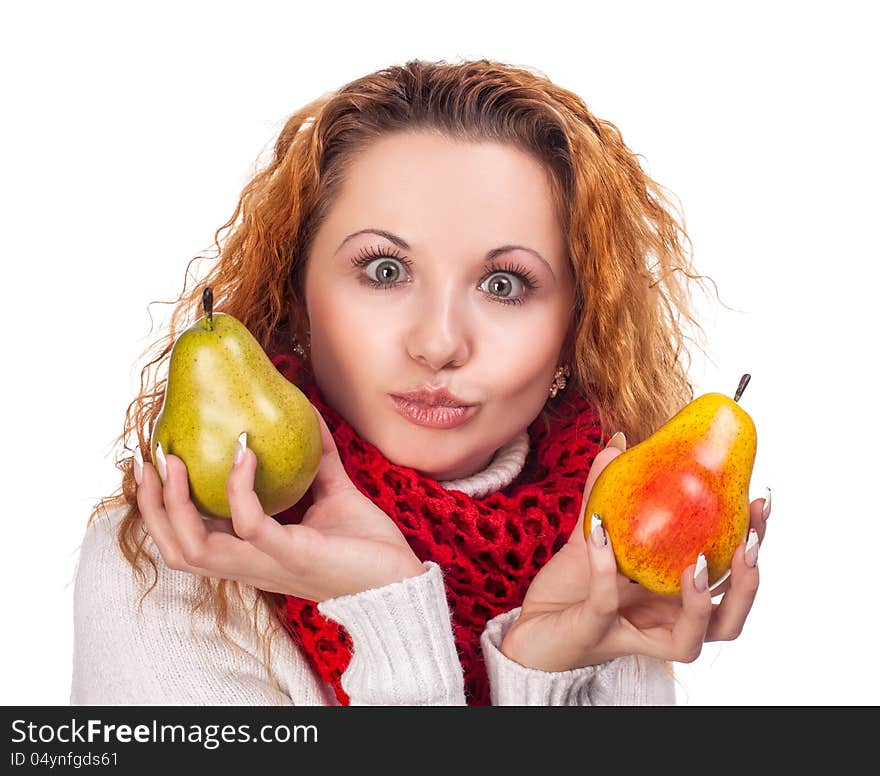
(221, 383)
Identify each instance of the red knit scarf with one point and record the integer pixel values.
(489, 549)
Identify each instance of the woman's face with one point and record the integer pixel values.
(469, 288)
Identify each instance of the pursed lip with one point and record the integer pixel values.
(432, 396)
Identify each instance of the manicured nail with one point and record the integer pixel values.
(138, 464)
(618, 440)
(752, 548)
(160, 462)
(597, 531)
(765, 513)
(240, 447)
(701, 574)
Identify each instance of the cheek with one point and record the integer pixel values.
(524, 383)
(522, 361)
(350, 345)
(531, 342)
(335, 315)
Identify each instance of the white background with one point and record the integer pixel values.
(129, 131)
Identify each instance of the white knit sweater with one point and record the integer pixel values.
(404, 653)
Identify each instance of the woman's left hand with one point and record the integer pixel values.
(580, 611)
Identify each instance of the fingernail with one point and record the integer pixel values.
(138, 464)
(752, 548)
(701, 574)
(597, 531)
(240, 447)
(765, 513)
(160, 462)
(618, 440)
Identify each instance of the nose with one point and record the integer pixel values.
(438, 334)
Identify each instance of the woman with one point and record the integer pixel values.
(451, 261)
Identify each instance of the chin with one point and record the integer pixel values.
(434, 453)
(428, 468)
(452, 468)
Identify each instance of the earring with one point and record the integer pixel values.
(299, 350)
(559, 380)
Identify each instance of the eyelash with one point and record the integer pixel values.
(367, 255)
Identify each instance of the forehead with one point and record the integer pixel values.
(438, 191)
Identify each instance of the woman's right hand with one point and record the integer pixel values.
(345, 544)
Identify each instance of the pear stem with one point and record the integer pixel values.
(208, 305)
(743, 382)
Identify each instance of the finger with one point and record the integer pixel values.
(151, 505)
(289, 546)
(184, 519)
(192, 546)
(729, 616)
(331, 476)
(683, 642)
(602, 459)
(603, 570)
(196, 543)
(599, 609)
(149, 499)
(196, 548)
(689, 631)
(757, 520)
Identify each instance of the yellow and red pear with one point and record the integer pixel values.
(682, 491)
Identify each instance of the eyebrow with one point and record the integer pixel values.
(404, 245)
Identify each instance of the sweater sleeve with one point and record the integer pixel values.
(166, 650)
(404, 651)
(159, 651)
(633, 680)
